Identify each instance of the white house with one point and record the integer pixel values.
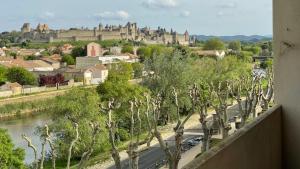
(95, 74)
(2, 52)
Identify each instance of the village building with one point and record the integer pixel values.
(31, 65)
(94, 57)
(66, 48)
(95, 75)
(2, 52)
(54, 63)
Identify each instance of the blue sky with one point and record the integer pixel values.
(208, 17)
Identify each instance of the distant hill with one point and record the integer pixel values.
(252, 38)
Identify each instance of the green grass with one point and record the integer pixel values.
(30, 105)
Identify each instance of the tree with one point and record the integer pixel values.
(111, 126)
(173, 156)
(2, 74)
(78, 52)
(136, 131)
(68, 59)
(79, 106)
(201, 98)
(127, 49)
(51, 80)
(268, 91)
(107, 53)
(144, 53)
(137, 69)
(214, 44)
(10, 157)
(235, 45)
(34, 149)
(220, 96)
(31, 57)
(21, 76)
(166, 71)
(73, 142)
(250, 87)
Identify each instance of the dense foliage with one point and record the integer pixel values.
(127, 49)
(20, 75)
(214, 44)
(45, 80)
(10, 157)
(68, 59)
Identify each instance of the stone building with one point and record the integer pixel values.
(109, 32)
(94, 49)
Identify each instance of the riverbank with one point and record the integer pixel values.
(25, 109)
(21, 114)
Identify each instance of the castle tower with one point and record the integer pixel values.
(100, 27)
(187, 36)
(26, 28)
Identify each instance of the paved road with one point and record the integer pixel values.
(154, 155)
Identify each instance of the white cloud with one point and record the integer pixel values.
(160, 3)
(220, 13)
(227, 5)
(185, 13)
(47, 16)
(108, 15)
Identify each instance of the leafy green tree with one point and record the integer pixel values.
(79, 106)
(107, 53)
(78, 52)
(68, 59)
(13, 54)
(235, 45)
(144, 52)
(10, 157)
(127, 49)
(20, 75)
(2, 74)
(121, 90)
(214, 44)
(4, 42)
(166, 71)
(138, 69)
(31, 57)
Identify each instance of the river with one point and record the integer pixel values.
(26, 125)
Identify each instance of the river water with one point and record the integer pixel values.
(27, 126)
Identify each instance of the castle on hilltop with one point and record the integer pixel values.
(130, 31)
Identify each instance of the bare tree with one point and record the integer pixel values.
(133, 148)
(201, 100)
(52, 147)
(111, 126)
(45, 137)
(30, 145)
(72, 145)
(86, 155)
(267, 94)
(173, 157)
(220, 97)
(250, 87)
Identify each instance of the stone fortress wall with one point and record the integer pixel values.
(110, 32)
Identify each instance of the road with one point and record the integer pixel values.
(154, 155)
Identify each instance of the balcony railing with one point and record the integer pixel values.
(258, 145)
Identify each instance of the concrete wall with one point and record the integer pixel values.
(287, 76)
(6, 93)
(256, 146)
